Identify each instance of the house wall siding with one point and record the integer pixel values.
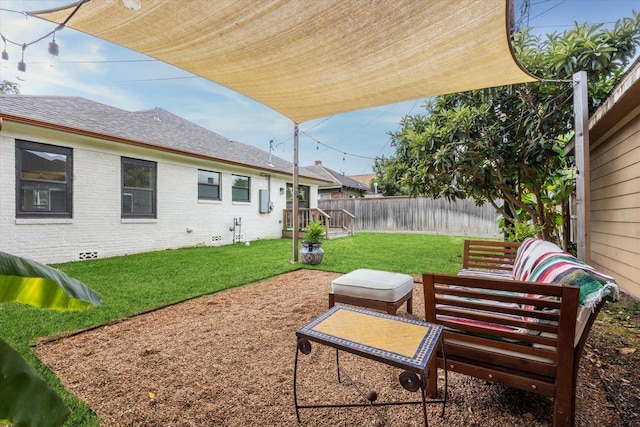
(615, 205)
(97, 227)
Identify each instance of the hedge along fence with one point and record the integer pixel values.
(419, 214)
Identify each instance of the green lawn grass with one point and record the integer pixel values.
(137, 283)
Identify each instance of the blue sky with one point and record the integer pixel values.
(104, 72)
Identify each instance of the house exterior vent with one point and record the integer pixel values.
(87, 255)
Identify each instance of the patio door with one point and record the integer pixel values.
(303, 196)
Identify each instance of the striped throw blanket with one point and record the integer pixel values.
(565, 269)
(528, 255)
(541, 261)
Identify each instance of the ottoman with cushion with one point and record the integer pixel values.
(375, 289)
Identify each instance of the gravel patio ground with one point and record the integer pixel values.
(227, 360)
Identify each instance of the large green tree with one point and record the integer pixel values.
(504, 146)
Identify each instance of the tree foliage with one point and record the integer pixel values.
(506, 144)
(9, 88)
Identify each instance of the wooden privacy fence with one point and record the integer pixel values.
(419, 214)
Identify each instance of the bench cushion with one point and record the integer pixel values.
(373, 284)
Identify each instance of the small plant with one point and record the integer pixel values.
(520, 231)
(315, 231)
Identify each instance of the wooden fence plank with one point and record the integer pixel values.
(419, 214)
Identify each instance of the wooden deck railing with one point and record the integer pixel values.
(341, 219)
(333, 219)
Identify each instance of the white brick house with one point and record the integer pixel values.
(79, 179)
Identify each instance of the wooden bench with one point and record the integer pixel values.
(521, 334)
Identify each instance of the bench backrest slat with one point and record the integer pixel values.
(488, 317)
(550, 303)
(546, 289)
(540, 352)
(517, 364)
(489, 255)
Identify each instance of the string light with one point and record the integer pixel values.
(5, 54)
(22, 67)
(54, 49)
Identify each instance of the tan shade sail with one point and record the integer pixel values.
(314, 58)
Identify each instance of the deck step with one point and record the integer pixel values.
(336, 233)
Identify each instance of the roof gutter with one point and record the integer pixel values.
(88, 133)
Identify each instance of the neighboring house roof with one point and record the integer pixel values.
(156, 128)
(365, 178)
(339, 180)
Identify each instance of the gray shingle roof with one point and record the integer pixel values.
(336, 177)
(156, 127)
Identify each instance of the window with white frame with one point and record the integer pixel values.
(43, 180)
(240, 188)
(138, 188)
(208, 185)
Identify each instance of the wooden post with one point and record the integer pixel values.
(583, 179)
(294, 213)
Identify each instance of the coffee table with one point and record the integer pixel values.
(403, 343)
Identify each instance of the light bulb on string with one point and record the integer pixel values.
(54, 49)
(54, 52)
(22, 67)
(5, 54)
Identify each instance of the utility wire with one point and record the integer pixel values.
(335, 149)
(544, 12)
(345, 153)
